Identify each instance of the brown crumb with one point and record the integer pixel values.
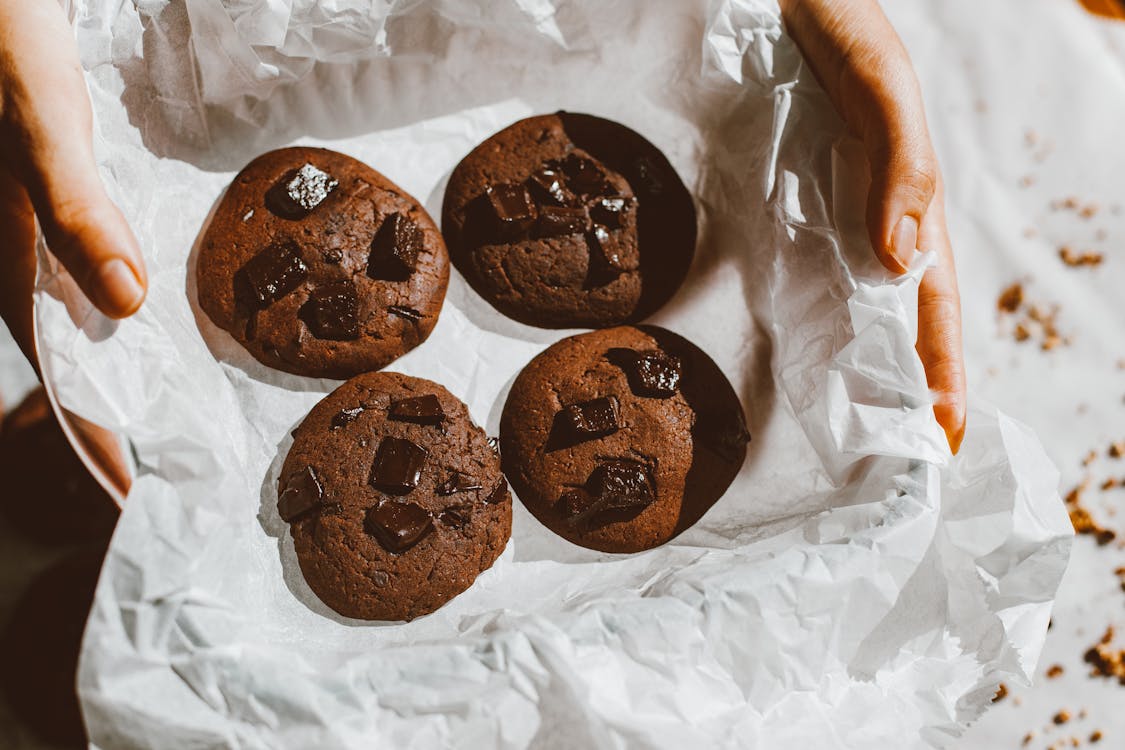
(1011, 298)
(1104, 660)
(1090, 458)
(1027, 180)
(1030, 233)
(1022, 333)
(1117, 449)
(1112, 482)
(1077, 260)
(1089, 211)
(1051, 342)
(1001, 693)
(1054, 671)
(1061, 717)
(1096, 736)
(1081, 519)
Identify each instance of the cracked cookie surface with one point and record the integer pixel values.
(395, 499)
(319, 265)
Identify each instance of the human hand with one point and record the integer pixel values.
(858, 58)
(47, 170)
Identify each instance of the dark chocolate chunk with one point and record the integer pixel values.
(269, 276)
(458, 482)
(497, 494)
(421, 409)
(345, 417)
(605, 255)
(402, 311)
(556, 221)
(394, 251)
(332, 312)
(609, 212)
(621, 484)
(655, 373)
(724, 432)
(299, 192)
(583, 176)
(302, 494)
(456, 517)
(398, 465)
(578, 506)
(546, 186)
(512, 209)
(398, 526)
(595, 418)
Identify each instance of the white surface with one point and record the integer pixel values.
(871, 662)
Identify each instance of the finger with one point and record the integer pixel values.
(17, 259)
(856, 55)
(939, 328)
(47, 145)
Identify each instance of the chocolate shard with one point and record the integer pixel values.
(578, 507)
(513, 211)
(458, 482)
(303, 493)
(456, 517)
(558, 221)
(397, 526)
(724, 432)
(583, 176)
(546, 186)
(398, 465)
(402, 311)
(299, 192)
(269, 276)
(421, 409)
(395, 249)
(606, 263)
(345, 417)
(498, 494)
(655, 374)
(610, 211)
(596, 418)
(332, 312)
(621, 484)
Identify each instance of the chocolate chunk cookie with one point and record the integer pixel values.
(321, 266)
(394, 497)
(569, 220)
(620, 439)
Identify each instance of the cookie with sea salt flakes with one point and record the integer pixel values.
(320, 266)
(394, 498)
(569, 220)
(620, 439)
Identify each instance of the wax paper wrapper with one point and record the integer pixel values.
(856, 586)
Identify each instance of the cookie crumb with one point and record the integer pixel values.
(1011, 298)
(1061, 717)
(1001, 693)
(1076, 259)
(1090, 458)
(1054, 671)
(1096, 736)
(1117, 449)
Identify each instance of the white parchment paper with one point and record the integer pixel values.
(856, 587)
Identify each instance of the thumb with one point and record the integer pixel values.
(47, 142)
(904, 176)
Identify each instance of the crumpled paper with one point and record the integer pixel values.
(856, 587)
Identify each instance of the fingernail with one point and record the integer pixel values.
(904, 241)
(119, 291)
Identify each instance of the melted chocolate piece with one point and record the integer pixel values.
(723, 432)
(512, 209)
(497, 494)
(578, 507)
(394, 251)
(269, 276)
(546, 186)
(398, 526)
(609, 212)
(583, 176)
(398, 466)
(299, 192)
(655, 373)
(605, 256)
(332, 312)
(456, 517)
(345, 417)
(421, 409)
(403, 311)
(595, 418)
(621, 484)
(557, 221)
(458, 482)
(303, 493)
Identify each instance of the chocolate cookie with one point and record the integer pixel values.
(394, 497)
(569, 220)
(321, 266)
(620, 439)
